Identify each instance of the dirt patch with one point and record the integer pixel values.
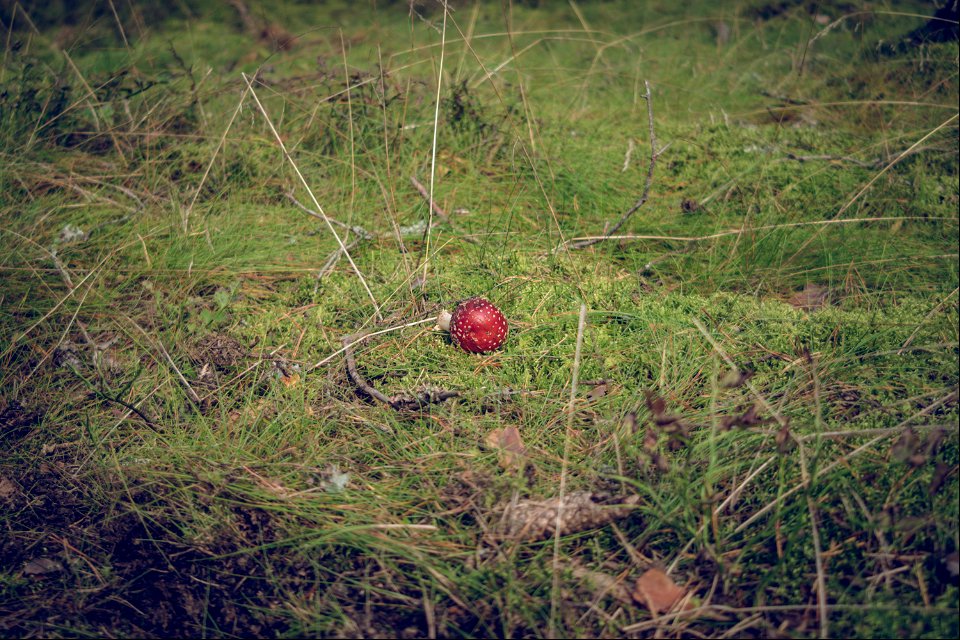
(16, 422)
(220, 350)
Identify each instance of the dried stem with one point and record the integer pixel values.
(398, 402)
(766, 227)
(654, 154)
(360, 231)
(575, 377)
(422, 190)
(433, 153)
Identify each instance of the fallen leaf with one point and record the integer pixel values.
(290, 380)
(597, 392)
(508, 445)
(953, 564)
(7, 489)
(907, 446)
(812, 298)
(735, 378)
(785, 440)
(940, 473)
(749, 418)
(656, 591)
(41, 566)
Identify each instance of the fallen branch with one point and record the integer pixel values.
(400, 402)
(654, 154)
(422, 190)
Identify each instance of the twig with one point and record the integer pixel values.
(360, 231)
(766, 227)
(575, 378)
(398, 402)
(369, 335)
(439, 211)
(316, 203)
(654, 154)
(873, 164)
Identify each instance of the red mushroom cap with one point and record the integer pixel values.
(477, 326)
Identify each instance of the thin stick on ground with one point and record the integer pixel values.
(358, 338)
(398, 402)
(654, 154)
(812, 506)
(422, 190)
(575, 378)
(316, 203)
(766, 227)
(357, 229)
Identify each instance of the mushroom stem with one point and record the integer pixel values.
(443, 320)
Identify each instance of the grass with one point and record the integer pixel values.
(219, 507)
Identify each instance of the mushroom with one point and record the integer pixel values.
(476, 326)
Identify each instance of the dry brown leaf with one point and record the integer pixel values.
(597, 392)
(657, 591)
(508, 445)
(812, 298)
(41, 566)
(532, 520)
(7, 489)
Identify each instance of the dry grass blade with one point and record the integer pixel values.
(844, 459)
(306, 185)
(433, 151)
(206, 171)
(869, 184)
(561, 519)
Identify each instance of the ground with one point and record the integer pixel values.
(744, 399)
